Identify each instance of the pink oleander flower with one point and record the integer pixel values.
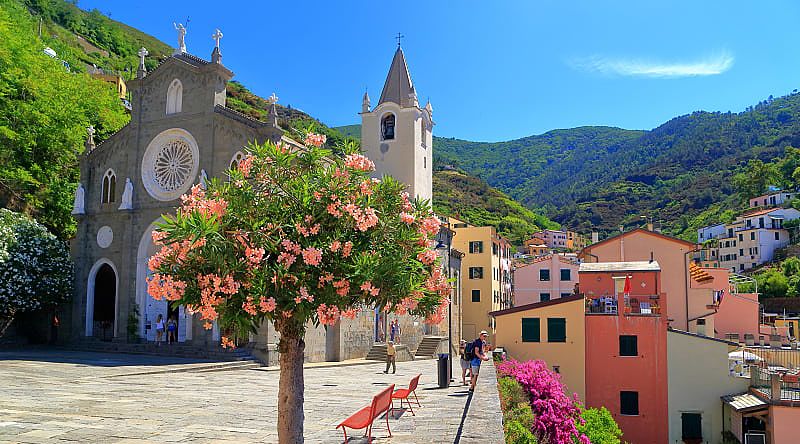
(407, 218)
(335, 246)
(430, 226)
(291, 247)
(350, 314)
(254, 255)
(328, 315)
(267, 306)
(333, 209)
(286, 259)
(249, 307)
(158, 237)
(427, 257)
(164, 286)
(315, 139)
(312, 256)
(227, 342)
(347, 248)
(245, 164)
(406, 201)
(342, 287)
(358, 162)
(366, 187)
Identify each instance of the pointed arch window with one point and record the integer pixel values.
(236, 159)
(387, 127)
(108, 190)
(174, 97)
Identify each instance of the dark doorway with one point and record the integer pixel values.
(172, 316)
(105, 297)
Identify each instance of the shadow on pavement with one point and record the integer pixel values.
(96, 359)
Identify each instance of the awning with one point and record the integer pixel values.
(744, 402)
(742, 355)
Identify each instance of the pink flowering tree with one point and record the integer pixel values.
(298, 236)
(557, 415)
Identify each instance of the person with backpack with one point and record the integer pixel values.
(465, 363)
(475, 351)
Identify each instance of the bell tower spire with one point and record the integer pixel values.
(396, 134)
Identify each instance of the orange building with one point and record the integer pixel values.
(626, 346)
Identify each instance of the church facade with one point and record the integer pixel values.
(181, 133)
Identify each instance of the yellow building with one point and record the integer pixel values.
(486, 282)
(118, 81)
(575, 241)
(552, 331)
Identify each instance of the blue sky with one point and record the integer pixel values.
(498, 70)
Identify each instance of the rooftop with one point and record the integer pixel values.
(598, 267)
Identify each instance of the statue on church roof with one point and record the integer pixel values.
(78, 204)
(127, 195)
(181, 38)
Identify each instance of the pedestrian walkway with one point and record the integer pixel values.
(75, 397)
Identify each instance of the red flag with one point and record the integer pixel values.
(627, 290)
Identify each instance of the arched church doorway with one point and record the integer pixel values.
(104, 308)
(149, 308)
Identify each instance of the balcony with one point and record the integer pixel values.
(638, 305)
(779, 385)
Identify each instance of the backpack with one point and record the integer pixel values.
(469, 351)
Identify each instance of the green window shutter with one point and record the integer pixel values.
(530, 330)
(556, 330)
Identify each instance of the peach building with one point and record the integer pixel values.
(547, 277)
(553, 331)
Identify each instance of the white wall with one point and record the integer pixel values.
(698, 376)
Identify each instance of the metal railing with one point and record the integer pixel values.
(634, 305)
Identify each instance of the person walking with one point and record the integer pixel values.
(159, 329)
(172, 330)
(391, 353)
(465, 363)
(478, 355)
(394, 333)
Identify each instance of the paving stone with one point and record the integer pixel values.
(61, 397)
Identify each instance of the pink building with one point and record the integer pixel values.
(736, 313)
(547, 277)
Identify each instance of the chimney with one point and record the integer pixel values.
(651, 257)
(595, 237)
(649, 226)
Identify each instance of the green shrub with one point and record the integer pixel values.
(600, 426)
(518, 433)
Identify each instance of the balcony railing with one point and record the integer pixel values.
(634, 305)
(777, 385)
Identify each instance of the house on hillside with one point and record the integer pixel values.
(772, 199)
(545, 278)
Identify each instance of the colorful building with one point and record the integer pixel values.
(547, 277)
(626, 346)
(536, 247)
(553, 331)
(772, 199)
(486, 280)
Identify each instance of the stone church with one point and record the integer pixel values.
(180, 134)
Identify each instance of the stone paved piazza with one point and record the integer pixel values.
(60, 396)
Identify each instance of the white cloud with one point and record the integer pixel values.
(708, 66)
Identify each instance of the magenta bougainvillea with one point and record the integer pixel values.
(557, 414)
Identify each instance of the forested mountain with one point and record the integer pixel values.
(680, 172)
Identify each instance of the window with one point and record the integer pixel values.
(109, 187)
(494, 249)
(476, 272)
(628, 345)
(777, 236)
(544, 297)
(387, 127)
(476, 247)
(752, 235)
(556, 330)
(544, 275)
(701, 322)
(741, 237)
(424, 162)
(629, 403)
(530, 330)
(174, 97)
(691, 426)
(476, 295)
(741, 252)
(566, 274)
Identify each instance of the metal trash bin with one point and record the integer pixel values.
(442, 367)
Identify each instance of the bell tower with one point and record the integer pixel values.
(397, 133)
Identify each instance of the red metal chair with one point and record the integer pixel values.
(382, 402)
(403, 393)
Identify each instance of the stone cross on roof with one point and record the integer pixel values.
(90, 145)
(398, 37)
(140, 73)
(217, 36)
(273, 98)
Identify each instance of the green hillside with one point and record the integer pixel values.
(45, 108)
(472, 200)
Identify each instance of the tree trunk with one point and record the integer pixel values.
(290, 388)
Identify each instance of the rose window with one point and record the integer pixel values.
(170, 164)
(173, 165)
